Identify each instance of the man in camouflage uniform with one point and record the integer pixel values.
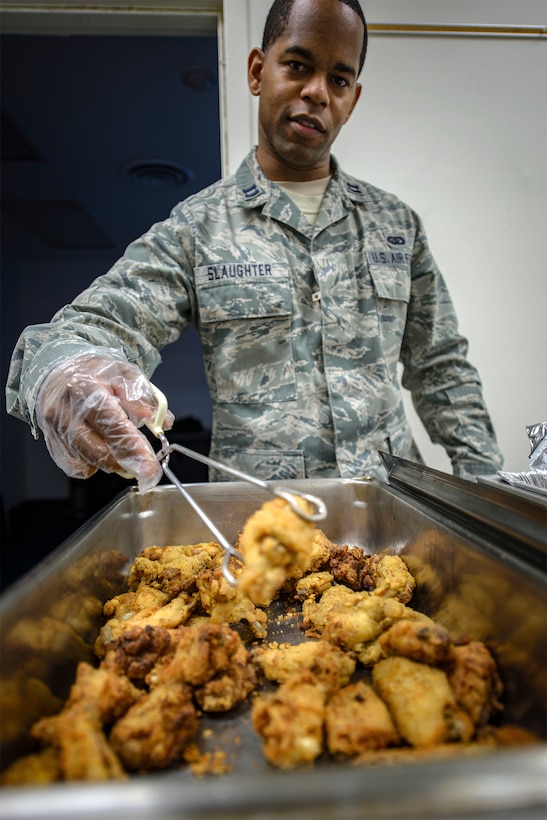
(307, 287)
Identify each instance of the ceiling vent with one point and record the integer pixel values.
(157, 173)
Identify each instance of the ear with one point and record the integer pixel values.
(358, 89)
(255, 65)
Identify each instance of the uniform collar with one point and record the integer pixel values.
(254, 189)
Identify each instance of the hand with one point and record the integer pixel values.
(89, 408)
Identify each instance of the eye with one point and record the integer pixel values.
(341, 82)
(296, 65)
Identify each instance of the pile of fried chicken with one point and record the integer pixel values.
(373, 680)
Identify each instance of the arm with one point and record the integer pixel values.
(102, 345)
(445, 387)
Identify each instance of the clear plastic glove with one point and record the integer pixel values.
(89, 408)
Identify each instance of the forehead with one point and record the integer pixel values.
(328, 29)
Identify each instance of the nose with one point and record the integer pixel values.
(316, 89)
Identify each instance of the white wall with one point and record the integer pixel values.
(457, 127)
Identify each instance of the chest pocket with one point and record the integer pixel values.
(245, 325)
(391, 282)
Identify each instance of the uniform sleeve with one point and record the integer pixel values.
(142, 304)
(445, 387)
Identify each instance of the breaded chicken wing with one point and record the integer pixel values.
(81, 745)
(173, 569)
(422, 641)
(127, 615)
(213, 659)
(136, 651)
(421, 702)
(391, 578)
(475, 681)
(356, 719)
(101, 692)
(276, 545)
(290, 721)
(327, 663)
(79, 749)
(156, 729)
(352, 620)
(350, 566)
(97, 698)
(321, 549)
(312, 585)
(225, 603)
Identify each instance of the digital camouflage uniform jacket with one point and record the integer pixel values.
(302, 328)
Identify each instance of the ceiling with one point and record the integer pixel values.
(101, 136)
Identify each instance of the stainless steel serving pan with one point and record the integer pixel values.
(480, 579)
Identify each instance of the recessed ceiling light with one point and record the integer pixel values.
(157, 173)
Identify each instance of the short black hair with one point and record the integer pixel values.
(278, 19)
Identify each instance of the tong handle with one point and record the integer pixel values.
(155, 425)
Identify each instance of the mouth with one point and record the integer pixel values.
(308, 124)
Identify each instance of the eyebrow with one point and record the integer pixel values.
(308, 55)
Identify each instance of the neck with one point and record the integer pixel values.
(277, 171)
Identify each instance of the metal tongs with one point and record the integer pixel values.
(319, 507)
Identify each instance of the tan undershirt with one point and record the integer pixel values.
(307, 195)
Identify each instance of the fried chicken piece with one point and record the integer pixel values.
(313, 585)
(228, 604)
(425, 642)
(350, 566)
(226, 689)
(321, 548)
(214, 660)
(475, 681)
(127, 616)
(154, 732)
(352, 620)
(98, 697)
(127, 604)
(276, 545)
(136, 651)
(100, 691)
(391, 578)
(173, 569)
(356, 719)
(327, 663)
(290, 721)
(39, 769)
(81, 745)
(421, 702)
